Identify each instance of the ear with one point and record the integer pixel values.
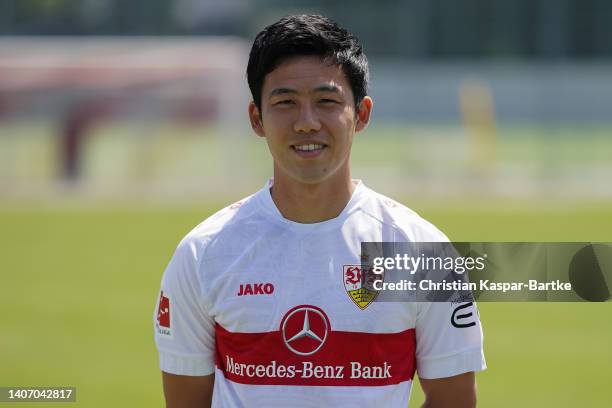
(255, 119)
(364, 110)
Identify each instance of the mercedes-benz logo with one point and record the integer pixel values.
(304, 329)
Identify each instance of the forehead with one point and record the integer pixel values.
(305, 73)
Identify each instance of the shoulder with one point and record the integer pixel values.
(233, 219)
(403, 220)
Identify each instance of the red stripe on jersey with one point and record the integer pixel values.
(345, 359)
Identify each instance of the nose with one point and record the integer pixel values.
(307, 120)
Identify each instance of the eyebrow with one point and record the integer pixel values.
(322, 88)
(281, 91)
(328, 88)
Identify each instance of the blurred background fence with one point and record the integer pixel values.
(489, 98)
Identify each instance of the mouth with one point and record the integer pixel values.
(308, 150)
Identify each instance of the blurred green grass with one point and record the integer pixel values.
(78, 288)
(573, 155)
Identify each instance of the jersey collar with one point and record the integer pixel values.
(264, 198)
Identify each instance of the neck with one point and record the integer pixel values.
(310, 203)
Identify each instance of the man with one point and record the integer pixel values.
(255, 308)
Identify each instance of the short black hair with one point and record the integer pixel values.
(304, 35)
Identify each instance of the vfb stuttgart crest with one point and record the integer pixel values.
(359, 285)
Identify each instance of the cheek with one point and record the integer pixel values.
(343, 123)
(275, 121)
(276, 138)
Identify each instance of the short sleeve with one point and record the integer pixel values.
(449, 339)
(184, 332)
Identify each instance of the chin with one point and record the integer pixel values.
(312, 178)
(310, 175)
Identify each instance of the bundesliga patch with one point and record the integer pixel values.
(162, 325)
(358, 286)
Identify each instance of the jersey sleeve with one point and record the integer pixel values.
(449, 339)
(184, 331)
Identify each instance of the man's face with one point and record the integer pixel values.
(308, 119)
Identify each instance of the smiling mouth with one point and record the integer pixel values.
(312, 147)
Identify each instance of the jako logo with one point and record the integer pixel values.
(256, 289)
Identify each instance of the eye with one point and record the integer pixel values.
(328, 101)
(284, 102)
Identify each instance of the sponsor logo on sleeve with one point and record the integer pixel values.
(461, 318)
(162, 325)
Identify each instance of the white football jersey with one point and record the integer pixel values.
(275, 310)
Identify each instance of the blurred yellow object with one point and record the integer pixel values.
(478, 112)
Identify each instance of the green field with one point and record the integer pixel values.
(78, 289)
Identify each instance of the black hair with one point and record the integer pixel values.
(303, 35)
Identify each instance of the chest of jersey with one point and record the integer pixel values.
(302, 305)
(255, 284)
